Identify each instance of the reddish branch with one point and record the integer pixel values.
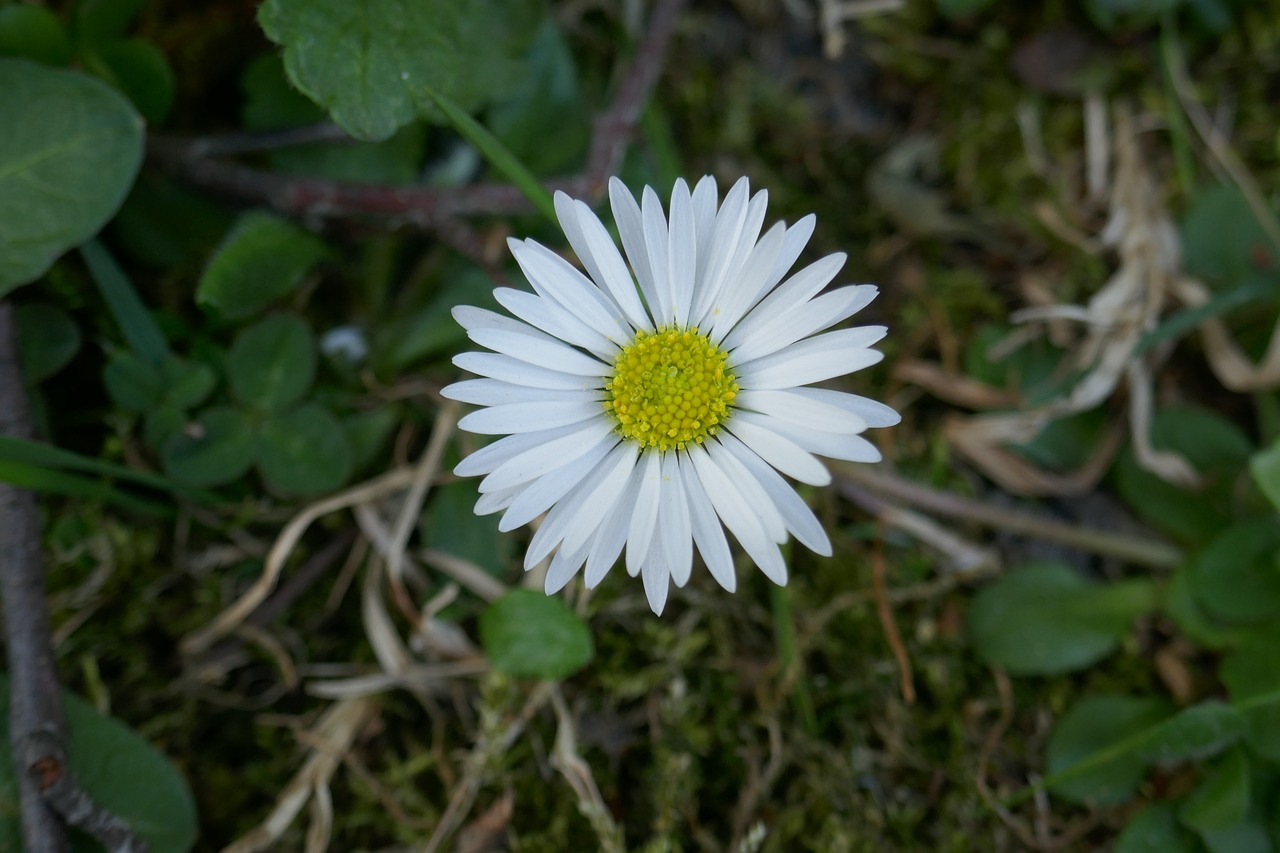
(196, 161)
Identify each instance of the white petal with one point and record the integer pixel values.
(853, 448)
(606, 493)
(541, 494)
(747, 238)
(796, 514)
(518, 372)
(830, 354)
(801, 410)
(736, 514)
(489, 457)
(707, 532)
(548, 456)
(540, 350)
(800, 288)
(657, 582)
(492, 392)
(780, 452)
(739, 295)
(563, 567)
(682, 252)
(719, 248)
(547, 315)
(612, 534)
(817, 314)
(656, 238)
(529, 417)
(601, 257)
(491, 502)
(749, 488)
(576, 514)
(626, 213)
(705, 199)
(673, 529)
(555, 278)
(873, 412)
(645, 516)
(797, 238)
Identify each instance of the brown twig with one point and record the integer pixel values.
(885, 612)
(37, 724)
(424, 208)
(35, 700)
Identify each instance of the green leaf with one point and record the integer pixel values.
(1221, 800)
(450, 525)
(37, 454)
(1110, 15)
(1181, 604)
(163, 224)
(1247, 836)
(1092, 729)
(1153, 830)
(218, 448)
(304, 452)
(139, 69)
(367, 433)
(414, 333)
(263, 259)
(1265, 468)
(272, 364)
(70, 147)
(98, 22)
(1193, 733)
(47, 340)
(1215, 447)
(161, 424)
(497, 154)
(134, 385)
(1236, 578)
(1222, 241)
(1250, 673)
(1046, 618)
(101, 752)
(33, 32)
(962, 8)
(187, 384)
(528, 634)
(40, 479)
(133, 316)
(369, 64)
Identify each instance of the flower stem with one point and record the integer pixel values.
(790, 665)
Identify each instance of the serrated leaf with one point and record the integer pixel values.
(1046, 618)
(531, 635)
(272, 364)
(1221, 800)
(47, 340)
(304, 452)
(101, 751)
(33, 32)
(1154, 830)
(70, 147)
(140, 70)
(369, 63)
(1215, 447)
(1089, 729)
(1196, 732)
(1236, 578)
(261, 260)
(218, 448)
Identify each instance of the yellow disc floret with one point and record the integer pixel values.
(670, 387)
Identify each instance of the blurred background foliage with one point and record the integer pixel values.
(1070, 209)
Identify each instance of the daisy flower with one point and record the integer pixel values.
(655, 401)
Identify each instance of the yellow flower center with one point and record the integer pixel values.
(670, 387)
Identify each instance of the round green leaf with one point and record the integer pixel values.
(218, 448)
(528, 634)
(135, 385)
(187, 384)
(161, 424)
(47, 339)
(101, 752)
(1094, 724)
(1193, 733)
(142, 72)
(1221, 800)
(272, 363)
(33, 32)
(1222, 240)
(1154, 830)
(304, 452)
(1046, 618)
(70, 147)
(1237, 577)
(261, 260)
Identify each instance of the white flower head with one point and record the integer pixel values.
(649, 407)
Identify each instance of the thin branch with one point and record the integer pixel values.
(35, 701)
(425, 208)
